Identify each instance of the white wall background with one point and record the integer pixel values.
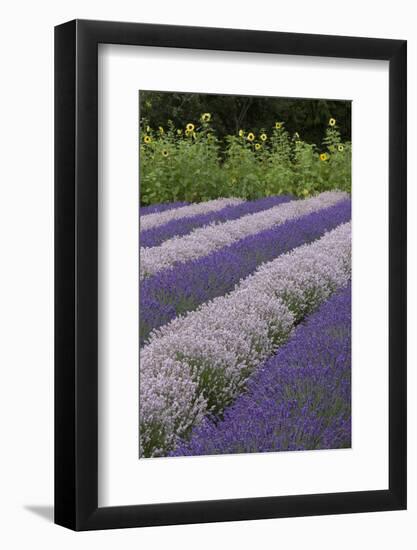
(26, 286)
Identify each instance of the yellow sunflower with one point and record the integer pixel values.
(147, 139)
(323, 156)
(206, 117)
(332, 121)
(263, 137)
(251, 136)
(278, 125)
(190, 127)
(165, 153)
(340, 148)
(257, 146)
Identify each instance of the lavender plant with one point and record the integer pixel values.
(300, 399)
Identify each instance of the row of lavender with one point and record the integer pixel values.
(198, 363)
(300, 399)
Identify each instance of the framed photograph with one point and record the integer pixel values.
(230, 275)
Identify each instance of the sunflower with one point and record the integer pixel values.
(241, 133)
(332, 121)
(190, 127)
(205, 117)
(340, 148)
(278, 125)
(263, 137)
(323, 156)
(165, 153)
(251, 136)
(147, 139)
(161, 130)
(257, 146)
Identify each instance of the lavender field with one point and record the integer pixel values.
(245, 325)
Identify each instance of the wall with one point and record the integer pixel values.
(26, 289)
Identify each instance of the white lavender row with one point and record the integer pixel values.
(204, 240)
(158, 218)
(199, 363)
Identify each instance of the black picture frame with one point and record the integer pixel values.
(76, 272)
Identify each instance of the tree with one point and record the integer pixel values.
(230, 113)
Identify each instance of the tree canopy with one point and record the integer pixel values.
(230, 113)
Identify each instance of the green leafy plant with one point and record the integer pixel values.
(191, 164)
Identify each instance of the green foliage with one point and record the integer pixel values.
(256, 112)
(192, 164)
(180, 165)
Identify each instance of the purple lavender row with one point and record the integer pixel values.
(300, 399)
(183, 288)
(157, 235)
(154, 208)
